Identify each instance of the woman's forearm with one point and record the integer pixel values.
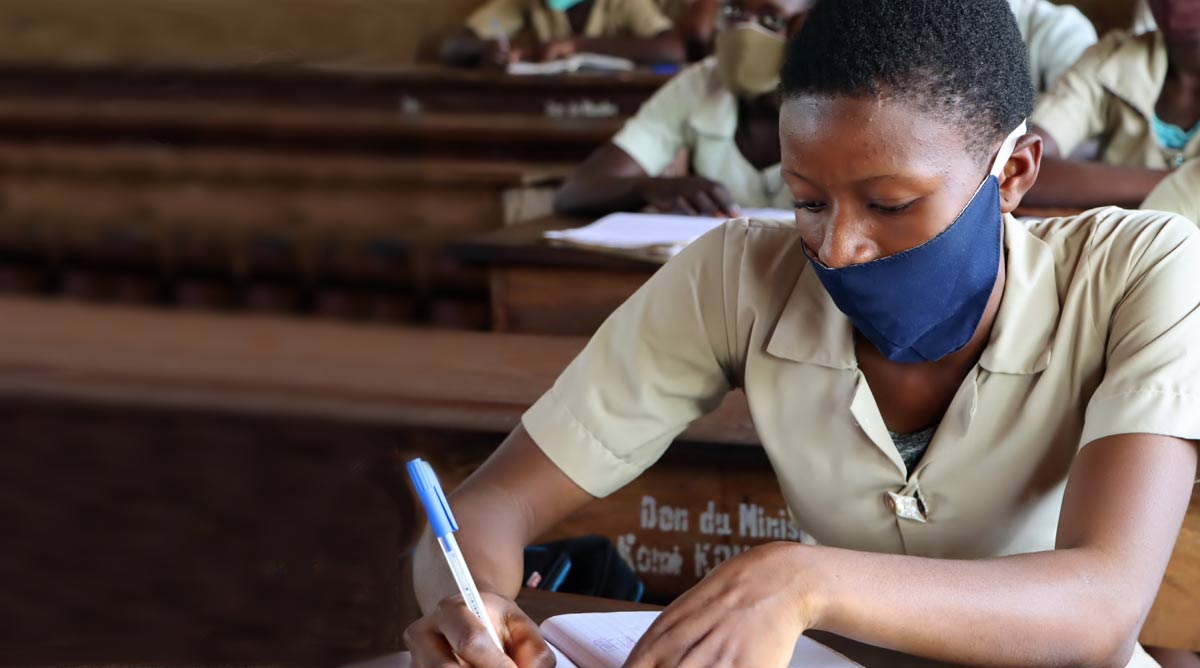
(1058, 608)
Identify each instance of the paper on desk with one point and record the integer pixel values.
(604, 640)
(664, 232)
(580, 62)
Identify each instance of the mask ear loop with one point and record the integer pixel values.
(1006, 150)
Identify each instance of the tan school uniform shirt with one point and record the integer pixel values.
(696, 112)
(1178, 193)
(1110, 94)
(608, 18)
(1095, 336)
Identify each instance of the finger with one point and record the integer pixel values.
(428, 648)
(682, 204)
(468, 637)
(709, 650)
(525, 644)
(705, 204)
(724, 200)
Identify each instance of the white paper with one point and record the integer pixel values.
(593, 62)
(604, 640)
(634, 231)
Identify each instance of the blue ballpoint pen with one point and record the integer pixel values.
(441, 522)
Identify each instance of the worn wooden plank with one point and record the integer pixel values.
(209, 33)
(421, 378)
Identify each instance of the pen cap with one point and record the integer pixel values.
(424, 480)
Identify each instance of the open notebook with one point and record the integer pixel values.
(604, 640)
(650, 234)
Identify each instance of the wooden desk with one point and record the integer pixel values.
(95, 373)
(540, 288)
(408, 89)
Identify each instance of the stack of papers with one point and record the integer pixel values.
(651, 234)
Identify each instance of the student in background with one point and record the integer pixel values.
(723, 111)
(990, 470)
(1178, 193)
(1055, 36)
(1136, 94)
(633, 29)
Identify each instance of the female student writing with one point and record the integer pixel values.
(1140, 95)
(986, 427)
(633, 29)
(723, 111)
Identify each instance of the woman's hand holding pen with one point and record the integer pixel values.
(749, 611)
(451, 632)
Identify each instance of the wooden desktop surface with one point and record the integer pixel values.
(538, 287)
(122, 359)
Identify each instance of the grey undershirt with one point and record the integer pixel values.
(913, 446)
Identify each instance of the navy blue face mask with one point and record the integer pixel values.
(924, 303)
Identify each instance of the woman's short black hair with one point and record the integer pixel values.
(962, 59)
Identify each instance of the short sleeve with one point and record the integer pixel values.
(508, 14)
(1178, 193)
(660, 361)
(656, 133)
(640, 18)
(1075, 108)
(1058, 36)
(1151, 381)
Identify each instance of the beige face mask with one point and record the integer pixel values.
(749, 58)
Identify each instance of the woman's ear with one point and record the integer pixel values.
(1020, 172)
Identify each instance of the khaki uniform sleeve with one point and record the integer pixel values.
(658, 363)
(1151, 382)
(1058, 36)
(508, 14)
(1178, 193)
(656, 133)
(1075, 108)
(640, 18)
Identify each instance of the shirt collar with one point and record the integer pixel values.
(812, 330)
(1135, 72)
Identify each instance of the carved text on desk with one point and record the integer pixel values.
(754, 523)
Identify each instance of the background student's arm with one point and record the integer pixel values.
(466, 49)
(625, 175)
(610, 180)
(646, 36)
(1083, 184)
(479, 40)
(517, 495)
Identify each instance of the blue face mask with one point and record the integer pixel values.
(562, 5)
(926, 302)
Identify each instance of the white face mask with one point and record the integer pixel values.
(749, 58)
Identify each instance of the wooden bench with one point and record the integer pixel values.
(205, 211)
(447, 396)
